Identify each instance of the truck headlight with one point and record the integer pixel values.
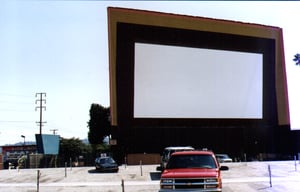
(211, 183)
(211, 180)
(166, 183)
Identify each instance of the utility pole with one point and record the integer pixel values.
(40, 101)
(54, 131)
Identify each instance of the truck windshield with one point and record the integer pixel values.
(191, 161)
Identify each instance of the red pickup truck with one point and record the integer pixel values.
(197, 171)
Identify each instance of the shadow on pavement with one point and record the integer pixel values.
(92, 171)
(155, 176)
(263, 188)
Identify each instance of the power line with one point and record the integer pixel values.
(14, 95)
(15, 102)
(15, 121)
(15, 110)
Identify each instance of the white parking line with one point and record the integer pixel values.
(80, 184)
(260, 179)
(141, 183)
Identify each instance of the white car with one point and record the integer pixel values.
(168, 152)
(223, 158)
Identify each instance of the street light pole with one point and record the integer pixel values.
(23, 136)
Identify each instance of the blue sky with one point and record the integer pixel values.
(61, 48)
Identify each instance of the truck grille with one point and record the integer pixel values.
(189, 183)
(194, 184)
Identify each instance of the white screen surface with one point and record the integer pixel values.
(183, 82)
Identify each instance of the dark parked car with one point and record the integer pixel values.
(106, 164)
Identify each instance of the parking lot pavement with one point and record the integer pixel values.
(250, 177)
(256, 176)
(83, 179)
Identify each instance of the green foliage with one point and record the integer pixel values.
(100, 148)
(72, 149)
(22, 161)
(99, 124)
(297, 59)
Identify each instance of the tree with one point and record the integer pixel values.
(297, 59)
(99, 124)
(71, 149)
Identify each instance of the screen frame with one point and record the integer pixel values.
(128, 34)
(117, 15)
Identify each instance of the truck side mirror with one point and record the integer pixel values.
(159, 168)
(224, 168)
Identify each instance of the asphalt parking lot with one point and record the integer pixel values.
(244, 176)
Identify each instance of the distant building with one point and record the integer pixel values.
(1, 162)
(11, 154)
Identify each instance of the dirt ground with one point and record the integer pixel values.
(244, 176)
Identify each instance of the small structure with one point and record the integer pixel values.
(12, 153)
(1, 162)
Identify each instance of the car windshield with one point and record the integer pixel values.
(106, 160)
(191, 161)
(223, 156)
